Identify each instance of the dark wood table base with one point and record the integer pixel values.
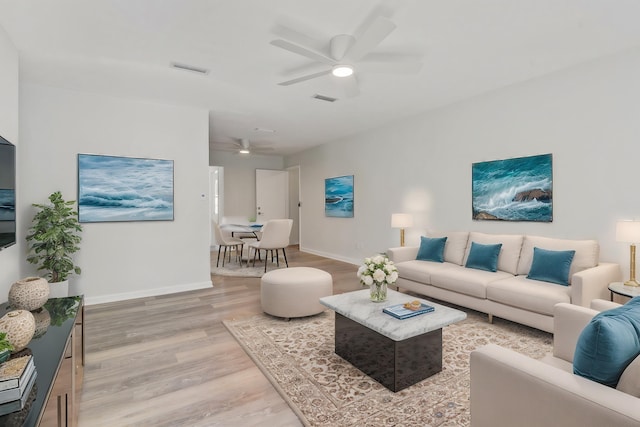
(394, 364)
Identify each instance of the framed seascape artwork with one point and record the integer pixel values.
(519, 189)
(338, 197)
(114, 188)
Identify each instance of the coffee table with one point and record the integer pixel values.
(396, 353)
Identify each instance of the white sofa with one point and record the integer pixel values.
(510, 389)
(507, 292)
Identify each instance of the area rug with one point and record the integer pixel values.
(324, 390)
(234, 269)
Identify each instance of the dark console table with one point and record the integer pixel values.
(58, 354)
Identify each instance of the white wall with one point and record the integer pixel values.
(240, 179)
(9, 257)
(587, 117)
(128, 259)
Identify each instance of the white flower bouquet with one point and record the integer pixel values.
(378, 272)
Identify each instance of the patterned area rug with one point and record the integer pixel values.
(324, 390)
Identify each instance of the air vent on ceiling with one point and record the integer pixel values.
(191, 68)
(324, 98)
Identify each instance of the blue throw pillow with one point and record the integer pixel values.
(483, 257)
(551, 266)
(608, 344)
(431, 249)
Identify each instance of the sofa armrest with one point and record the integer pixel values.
(568, 322)
(603, 305)
(510, 389)
(592, 283)
(402, 253)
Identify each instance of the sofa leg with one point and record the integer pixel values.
(490, 318)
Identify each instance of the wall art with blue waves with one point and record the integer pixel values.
(114, 188)
(338, 196)
(519, 189)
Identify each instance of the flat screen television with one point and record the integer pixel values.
(7, 193)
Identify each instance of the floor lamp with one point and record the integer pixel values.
(629, 232)
(401, 221)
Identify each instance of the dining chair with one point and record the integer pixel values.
(227, 242)
(275, 237)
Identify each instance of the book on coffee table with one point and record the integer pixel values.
(399, 312)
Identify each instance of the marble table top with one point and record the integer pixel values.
(358, 307)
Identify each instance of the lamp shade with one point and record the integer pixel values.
(628, 231)
(400, 220)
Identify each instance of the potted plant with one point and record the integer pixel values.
(5, 347)
(53, 238)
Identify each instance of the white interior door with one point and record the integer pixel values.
(272, 195)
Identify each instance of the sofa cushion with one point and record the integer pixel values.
(587, 252)
(608, 344)
(551, 266)
(630, 379)
(419, 271)
(456, 245)
(532, 295)
(483, 257)
(431, 249)
(510, 253)
(466, 281)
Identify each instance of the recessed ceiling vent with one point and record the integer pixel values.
(191, 68)
(324, 98)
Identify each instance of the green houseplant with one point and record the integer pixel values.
(54, 237)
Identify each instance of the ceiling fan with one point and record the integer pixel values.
(242, 146)
(350, 55)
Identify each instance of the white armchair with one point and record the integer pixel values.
(510, 389)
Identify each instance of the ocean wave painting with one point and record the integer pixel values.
(7, 204)
(338, 197)
(518, 189)
(124, 189)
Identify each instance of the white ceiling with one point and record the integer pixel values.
(468, 47)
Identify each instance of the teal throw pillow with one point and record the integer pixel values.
(431, 249)
(483, 257)
(608, 344)
(551, 266)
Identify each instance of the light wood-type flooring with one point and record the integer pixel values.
(169, 360)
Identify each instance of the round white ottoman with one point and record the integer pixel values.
(295, 291)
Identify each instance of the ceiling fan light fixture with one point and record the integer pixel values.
(342, 70)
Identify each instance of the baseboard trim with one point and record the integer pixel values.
(148, 293)
(331, 256)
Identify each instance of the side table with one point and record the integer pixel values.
(619, 288)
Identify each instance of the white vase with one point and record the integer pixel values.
(59, 289)
(29, 293)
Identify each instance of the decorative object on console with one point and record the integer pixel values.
(29, 293)
(401, 221)
(53, 238)
(519, 189)
(338, 197)
(629, 232)
(114, 189)
(19, 325)
(378, 272)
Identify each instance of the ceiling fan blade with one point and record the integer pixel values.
(304, 78)
(391, 67)
(371, 37)
(283, 44)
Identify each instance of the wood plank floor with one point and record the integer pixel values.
(169, 360)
